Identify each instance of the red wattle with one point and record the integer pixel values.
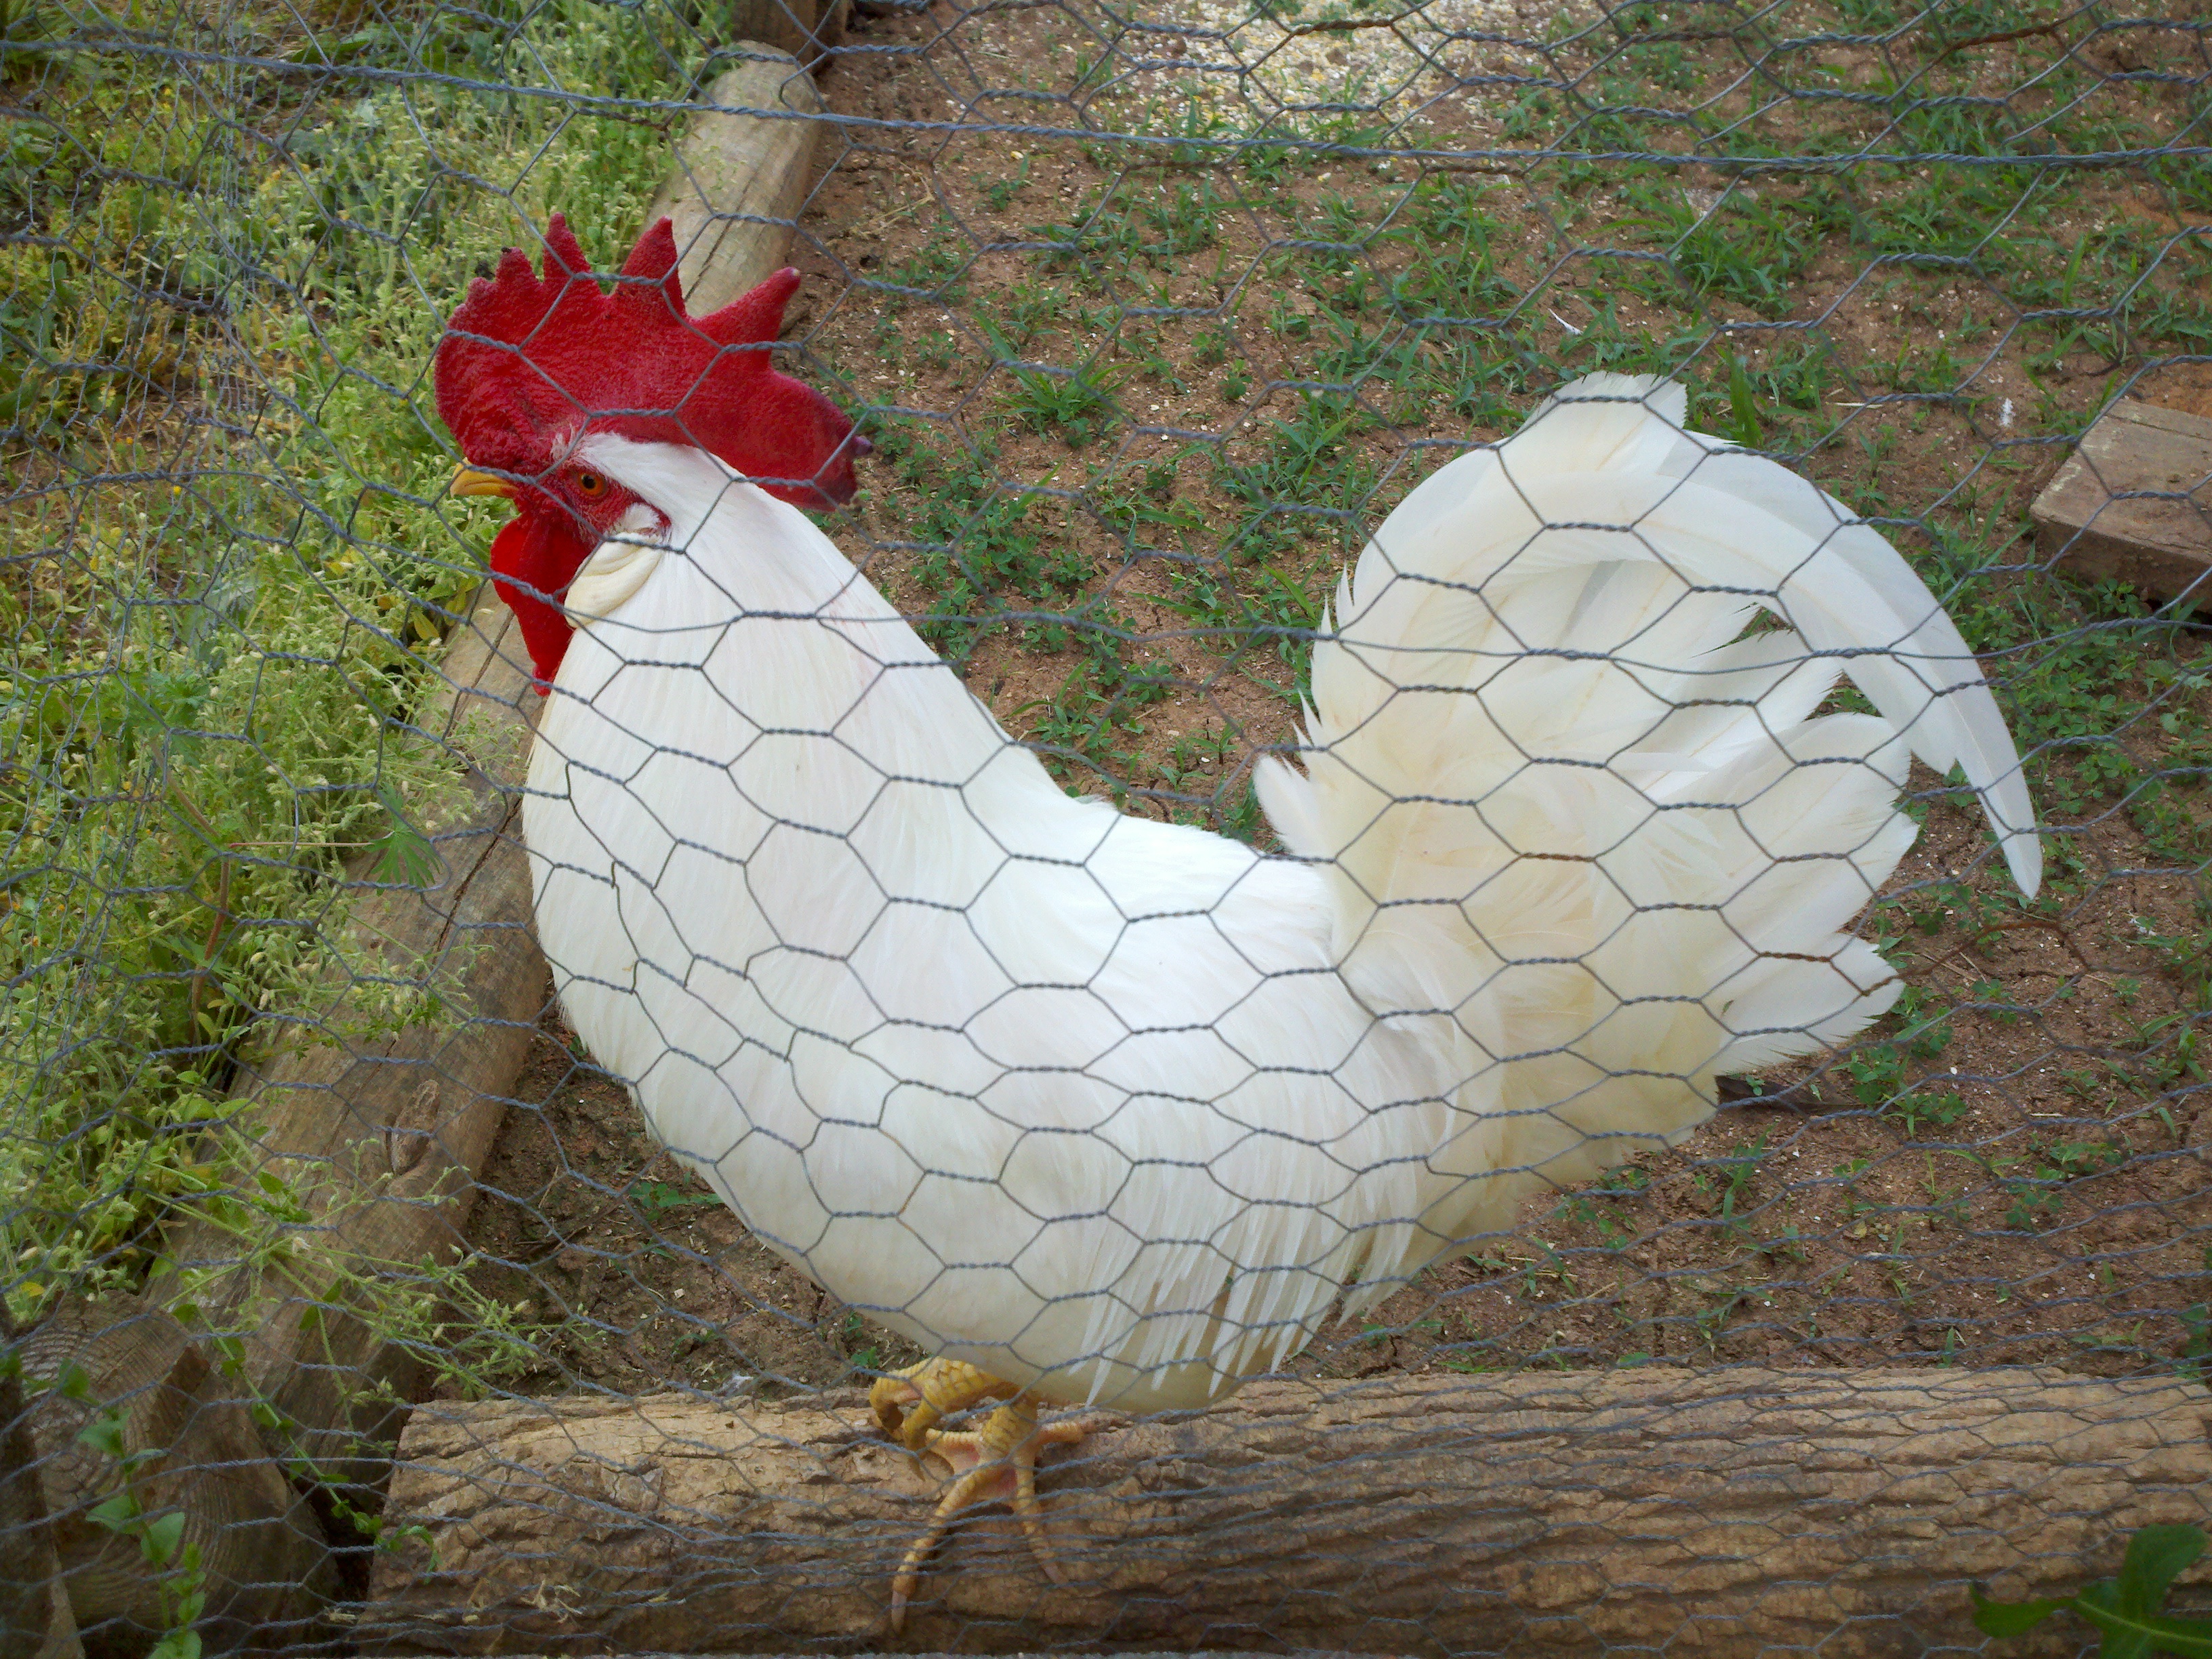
(542, 551)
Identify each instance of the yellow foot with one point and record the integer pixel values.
(996, 1464)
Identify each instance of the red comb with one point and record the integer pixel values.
(529, 360)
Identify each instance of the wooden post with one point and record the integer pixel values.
(1722, 1512)
(373, 1138)
(807, 29)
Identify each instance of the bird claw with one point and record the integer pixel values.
(909, 1404)
(994, 1464)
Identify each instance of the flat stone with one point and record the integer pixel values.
(2134, 502)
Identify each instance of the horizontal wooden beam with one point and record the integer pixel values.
(1731, 1512)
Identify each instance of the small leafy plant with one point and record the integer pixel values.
(2125, 1609)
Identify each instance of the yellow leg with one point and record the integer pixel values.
(996, 1463)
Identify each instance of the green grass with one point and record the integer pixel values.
(1072, 405)
(1409, 300)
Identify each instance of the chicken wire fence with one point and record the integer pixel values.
(1151, 315)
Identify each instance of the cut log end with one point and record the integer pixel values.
(36, 1621)
(187, 1444)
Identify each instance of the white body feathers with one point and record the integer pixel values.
(1118, 1108)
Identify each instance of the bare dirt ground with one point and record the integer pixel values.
(1192, 382)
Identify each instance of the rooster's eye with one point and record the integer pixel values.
(591, 486)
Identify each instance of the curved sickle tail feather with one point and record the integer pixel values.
(1564, 797)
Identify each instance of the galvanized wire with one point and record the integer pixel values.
(1152, 315)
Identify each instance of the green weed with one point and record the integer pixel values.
(2124, 1611)
(189, 783)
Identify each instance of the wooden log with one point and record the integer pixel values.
(1725, 1512)
(741, 180)
(35, 1620)
(376, 1135)
(2089, 519)
(186, 1444)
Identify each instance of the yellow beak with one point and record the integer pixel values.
(469, 482)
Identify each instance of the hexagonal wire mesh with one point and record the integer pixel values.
(987, 989)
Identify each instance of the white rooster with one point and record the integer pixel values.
(1102, 1109)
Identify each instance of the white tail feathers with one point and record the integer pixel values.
(1566, 797)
